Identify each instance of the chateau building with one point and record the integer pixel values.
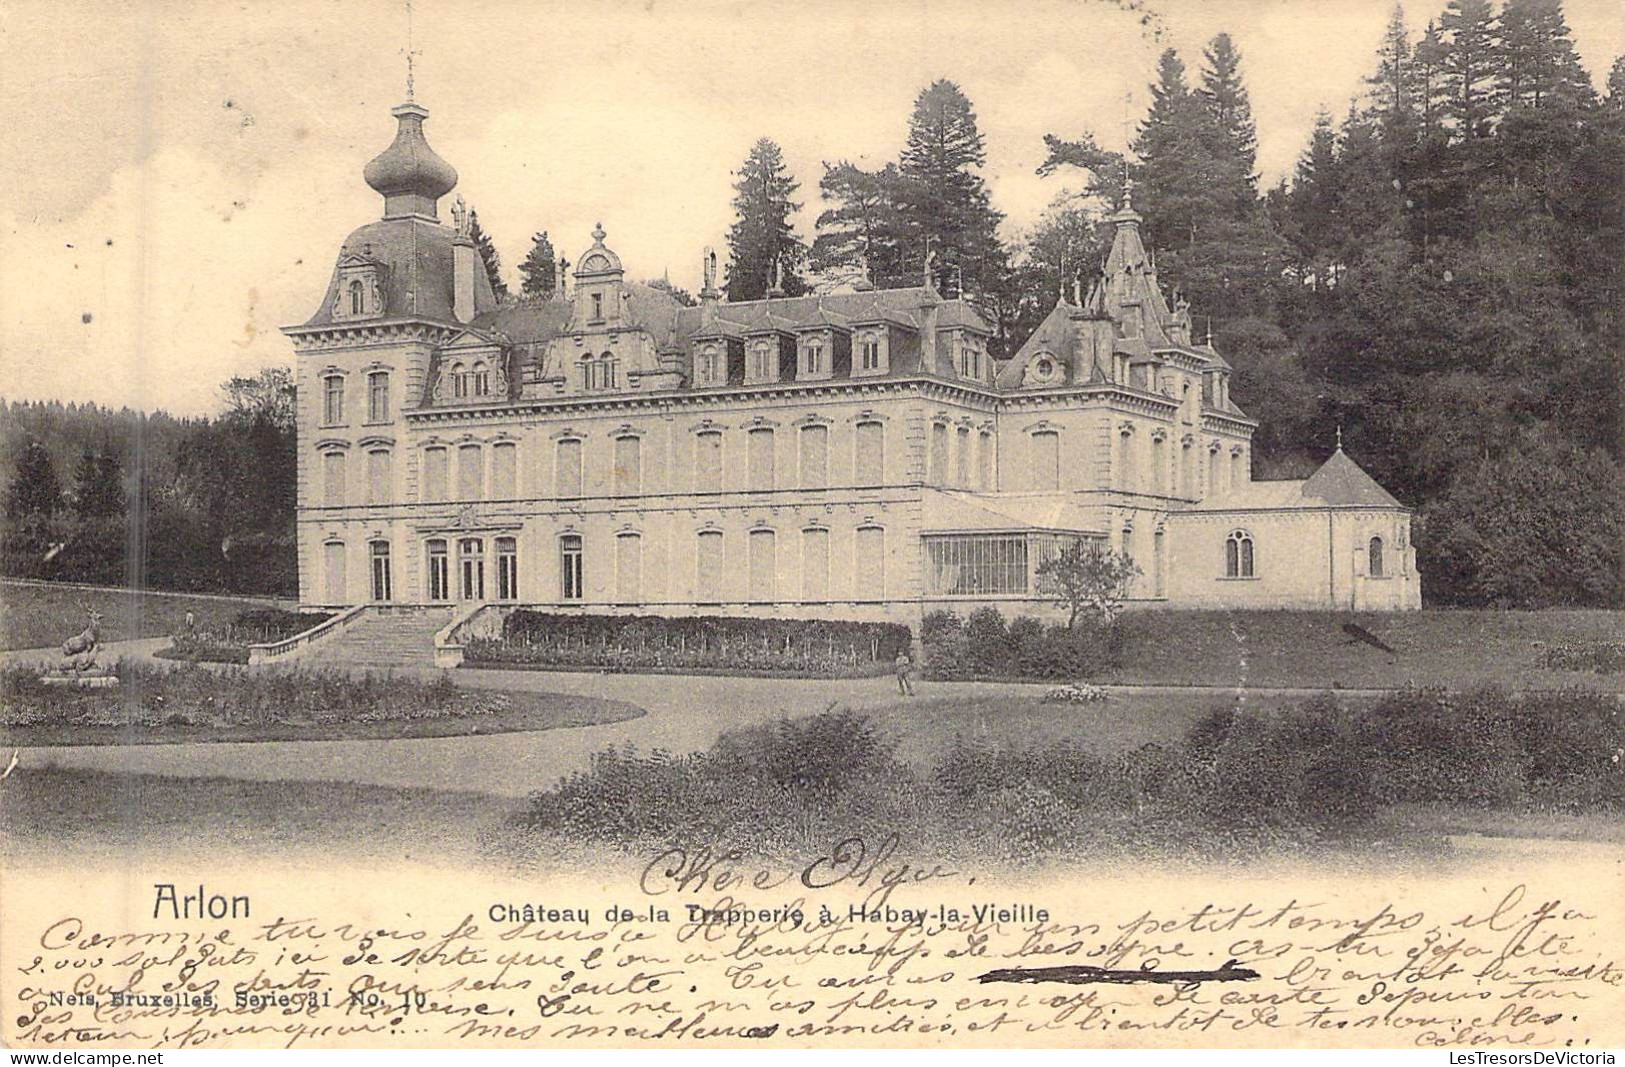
(851, 455)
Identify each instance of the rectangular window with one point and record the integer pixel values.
(814, 457)
(984, 461)
(869, 464)
(333, 475)
(569, 467)
(708, 462)
(378, 397)
(870, 355)
(871, 564)
(380, 477)
(1159, 465)
(962, 459)
(434, 475)
(938, 474)
(597, 307)
(628, 466)
(439, 573)
(333, 401)
(628, 568)
(763, 565)
(814, 361)
(761, 457)
(570, 567)
(504, 470)
(380, 571)
(470, 472)
(1046, 460)
(1238, 469)
(333, 564)
(763, 363)
(507, 569)
(708, 564)
(471, 568)
(815, 565)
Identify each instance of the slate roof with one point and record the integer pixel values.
(1338, 483)
(417, 284)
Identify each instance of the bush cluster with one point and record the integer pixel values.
(1234, 780)
(644, 642)
(984, 645)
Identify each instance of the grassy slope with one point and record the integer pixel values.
(33, 616)
(1456, 649)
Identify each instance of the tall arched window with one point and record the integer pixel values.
(567, 468)
(380, 571)
(759, 457)
(1374, 557)
(708, 568)
(1046, 459)
(435, 462)
(871, 564)
(815, 564)
(459, 382)
(1125, 449)
(380, 477)
(333, 564)
(480, 384)
(358, 302)
(869, 461)
(378, 396)
(439, 571)
(763, 564)
(333, 478)
(628, 568)
(1238, 555)
(708, 461)
(607, 368)
(570, 567)
(333, 400)
(814, 456)
(628, 465)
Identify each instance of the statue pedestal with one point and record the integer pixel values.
(82, 681)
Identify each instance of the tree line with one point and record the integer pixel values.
(122, 497)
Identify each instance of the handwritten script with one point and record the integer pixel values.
(860, 950)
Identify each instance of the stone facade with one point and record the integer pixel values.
(851, 455)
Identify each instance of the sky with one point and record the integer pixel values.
(181, 173)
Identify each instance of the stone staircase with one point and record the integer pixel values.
(381, 640)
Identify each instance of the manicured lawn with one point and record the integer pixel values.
(1452, 649)
(926, 727)
(42, 616)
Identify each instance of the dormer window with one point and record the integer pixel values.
(869, 352)
(480, 380)
(359, 294)
(764, 358)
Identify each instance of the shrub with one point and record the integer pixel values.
(988, 640)
(817, 648)
(1602, 657)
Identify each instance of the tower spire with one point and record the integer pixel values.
(410, 54)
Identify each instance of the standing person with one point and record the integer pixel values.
(905, 674)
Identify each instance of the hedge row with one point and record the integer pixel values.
(985, 645)
(630, 642)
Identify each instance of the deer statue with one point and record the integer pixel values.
(79, 651)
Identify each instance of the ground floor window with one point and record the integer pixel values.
(570, 570)
(507, 569)
(1238, 555)
(708, 568)
(471, 568)
(763, 565)
(439, 571)
(333, 559)
(1374, 557)
(871, 563)
(380, 571)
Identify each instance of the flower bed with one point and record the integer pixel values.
(812, 648)
(229, 644)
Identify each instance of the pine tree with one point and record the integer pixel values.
(862, 232)
(945, 198)
(488, 255)
(1176, 175)
(1225, 96)
(1536, 64)
(763, 247)
(34, 490)
(539, 270)
(1469, 66)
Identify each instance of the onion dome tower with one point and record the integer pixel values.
(408, 174)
